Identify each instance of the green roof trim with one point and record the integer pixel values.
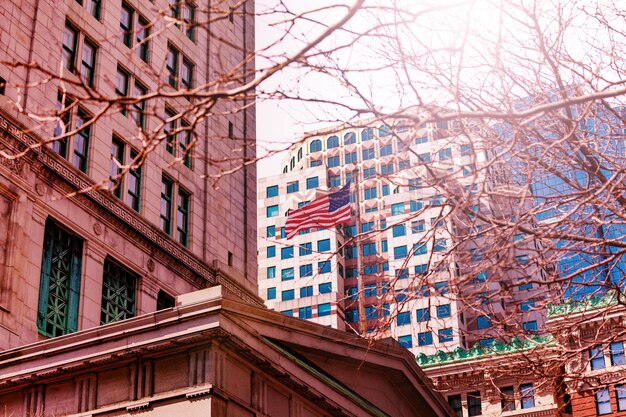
(480, 352)
(327, 379)
(589, 303)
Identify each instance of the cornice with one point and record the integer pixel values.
(111, 211)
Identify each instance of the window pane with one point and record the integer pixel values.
(118, 293)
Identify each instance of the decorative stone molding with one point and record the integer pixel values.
(97, 228)
(116, 215)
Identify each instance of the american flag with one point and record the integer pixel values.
(322, 212)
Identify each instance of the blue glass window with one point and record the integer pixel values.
(369, 173)
(323, 310)
(306, 270)
(399, 252)
(421, 139)
(272, 211)
(271, 251)
(305, 249)
(603, 401)
(422, 314)
(286, 252)
(286, 274)
(442, 287)
(443, 311)
(527, 305)
(369, 249)
(270, 231)
(403, 318)
(312, 182)
(367, 134)
(369, 193)
(292, 187)
(530, 326)
(368, 154)
(326, 287)
(617, 353)
(287, 295)
(397, 208)
(445, 335)
(271, 191)
(596, 357)
(351, 158)
(305, 312)
(399, 230)
(315, 146)
(406, 341)
(332, 142)
(421, 269)
(324, 267)
(306, 291)
(271, 272)
(483, 322)
(333, 161)
(528, 397)
(349, 138)
(416, 205)
(334, 180)
(425, 339)
(323, 245)
(386, 150)
(271, 293)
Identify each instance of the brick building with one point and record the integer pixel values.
(114, 203)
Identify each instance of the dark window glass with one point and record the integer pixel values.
(81, 142)
(126, 25)
(473, 404)
(166, 205)
(142, 39)
(119, 288)
(507, 398)
(68, 56)
(88, 65)
(182, 218)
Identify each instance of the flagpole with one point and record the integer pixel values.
(359, 268)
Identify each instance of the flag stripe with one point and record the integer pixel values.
(317, 213)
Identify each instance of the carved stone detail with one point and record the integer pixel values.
(97, 228)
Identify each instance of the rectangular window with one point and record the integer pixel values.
(530, 326)
(445, 154)
(369, 193)
(287, 295)
(415, 205)
(418, 226)
(305, 312)
(185, 143)
(88, 63)
(406, 341)
(445, 335)
(286, 252)
(403, 318)
(286, 274)
(306, 291)
(334, 181)
(473, 404)
(305, 249)
(186, 75)
(399, 252)
(620, 395)
(326, 288)
(527, 305)
(166, 204)
(397, 208)
(323, 267)
(119, 287)
(271, 191)
(596, 357)
(271, 293)
(312, 182)
(292, 187)
(171, 65)
(270, 231)
(350, 158)
(81, 141)
(323, 245)
(369, 249)
(117, 160)
(142, 39)
(323, 310)
(306, 270)
(443, 311)
(528, 396)
(617, 353)
(603, 401)
(59, 289)
(126, 25)
(182, 218)
(483, 322)
(456, 404)
(399, 230)
(442, 287)
(133, 190)
(422, 314)
(271, 211)
(368, 154)
(271, 272)
(507, 399)
(386, 150)
(271, 251)
(70, 41)
(189, 21)
(425, 338)
(138, 113)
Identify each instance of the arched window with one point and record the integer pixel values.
(292, 163)
(367, 134)
(332, 142)
(315, 146)
(349, 138)
(383, 131)
(299, 154)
